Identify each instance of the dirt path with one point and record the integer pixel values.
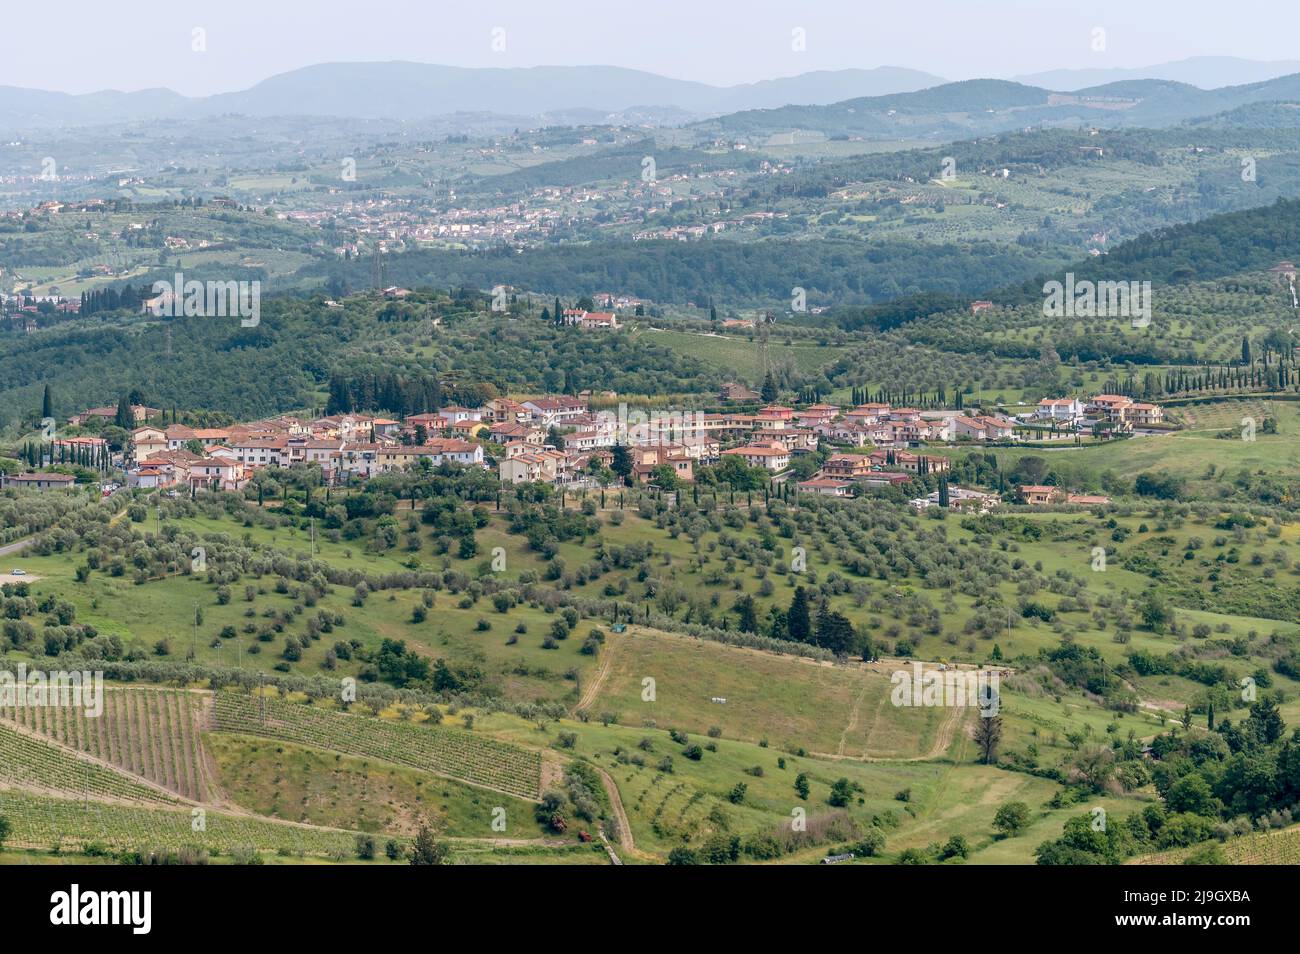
(627, 840)
(875, 724)
(952, 721)
(203, 722)
(593, 688)
(853, 721)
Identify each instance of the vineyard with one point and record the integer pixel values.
(30, 762)
(42, 822)
(152, 733)
(1276, 848)
(454, 753)
(1264, 848)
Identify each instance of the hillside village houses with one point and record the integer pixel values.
(982, 428)
(1124, 411)
(557, 438)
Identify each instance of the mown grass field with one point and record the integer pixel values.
(739, 355)
(789, 702)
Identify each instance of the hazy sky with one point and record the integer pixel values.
(84, 45)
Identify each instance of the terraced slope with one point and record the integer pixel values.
(455, 753)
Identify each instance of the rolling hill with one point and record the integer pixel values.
(982, 106)
(404, 90)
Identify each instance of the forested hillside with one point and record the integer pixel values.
(754, 273)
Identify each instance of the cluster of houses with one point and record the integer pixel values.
(1115, 413)
(884, 467)
(561, 440)
(343, 446)
(554, 439)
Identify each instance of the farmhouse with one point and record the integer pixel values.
(38, 481)
(1038, 495)
(109, 414)
(960, 498)
(601, 320)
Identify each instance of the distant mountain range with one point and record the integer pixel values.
(984, 107)
(408, 91)
(885, 102)
(1206, 72)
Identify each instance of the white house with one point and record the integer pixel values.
(1059, 409)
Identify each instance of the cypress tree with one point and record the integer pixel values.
(798, 621)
